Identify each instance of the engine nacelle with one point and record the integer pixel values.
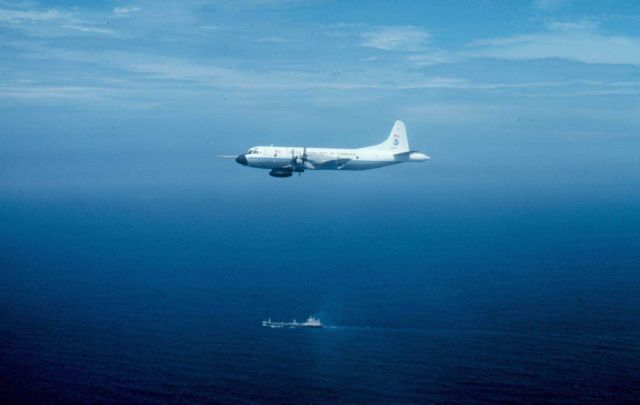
(298, 164)
(281, 172)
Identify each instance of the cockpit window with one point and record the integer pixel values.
(252, 152)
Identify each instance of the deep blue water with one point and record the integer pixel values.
(436, 290)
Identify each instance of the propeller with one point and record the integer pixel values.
(299, 163)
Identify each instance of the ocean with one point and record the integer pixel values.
(434, 289)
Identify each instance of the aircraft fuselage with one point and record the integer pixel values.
(273, 157)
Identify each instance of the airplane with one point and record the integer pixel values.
(286, 160)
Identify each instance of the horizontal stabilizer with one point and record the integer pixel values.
(414, 155)
(407, 153)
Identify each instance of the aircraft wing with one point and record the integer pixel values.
(329, 163)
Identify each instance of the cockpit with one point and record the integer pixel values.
(252, 151)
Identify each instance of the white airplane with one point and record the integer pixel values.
(285, 160)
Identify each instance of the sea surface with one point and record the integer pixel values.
(433, 290)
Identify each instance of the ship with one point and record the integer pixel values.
(311, 322)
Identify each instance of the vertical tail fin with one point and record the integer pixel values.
(397, 140)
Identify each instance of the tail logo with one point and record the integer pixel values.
(396, 140)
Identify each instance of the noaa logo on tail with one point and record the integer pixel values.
(396, 141)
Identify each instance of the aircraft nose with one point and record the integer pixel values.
(242, 159)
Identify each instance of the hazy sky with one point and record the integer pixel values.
(116, 94)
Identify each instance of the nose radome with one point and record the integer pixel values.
(242, 159)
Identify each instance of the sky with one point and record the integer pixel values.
(111, 95)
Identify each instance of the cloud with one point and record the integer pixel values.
(276, 40)
(87, 29)
(396, 38)
(432, 58)
(125, 11)
(28, 91)
(269, 3)
(457, 113)
(211, 28)
(577, 25)
(30, 16)
(153, 71)
(48, 23)
(550, 5)
(349, 69)
(578, 41)
(149, 72)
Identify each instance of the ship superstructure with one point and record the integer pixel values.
(311, 322)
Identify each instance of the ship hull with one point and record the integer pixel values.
(280, 325)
